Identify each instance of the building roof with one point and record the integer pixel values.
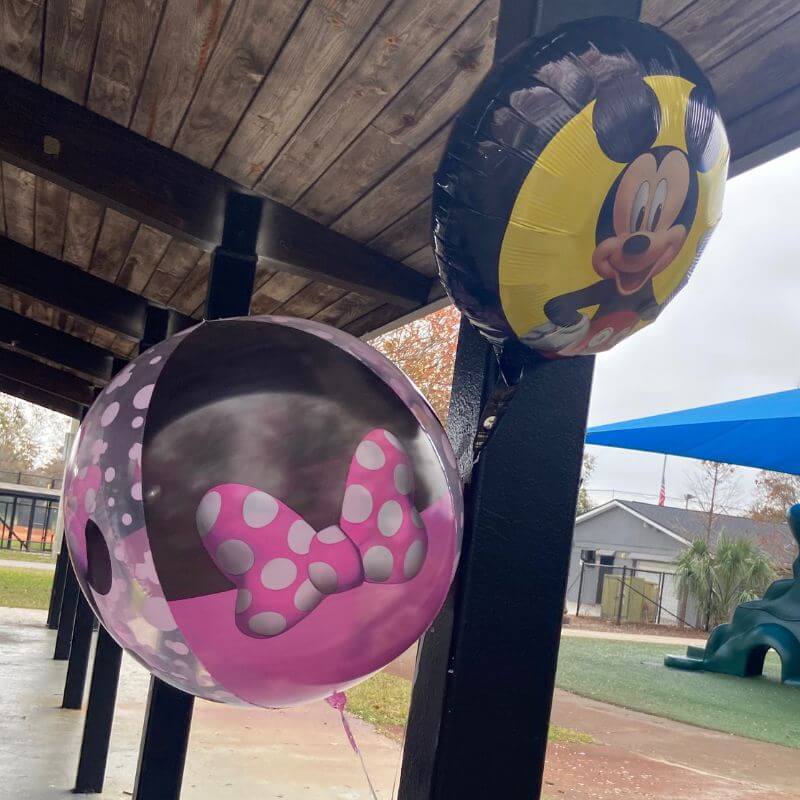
(688, 525)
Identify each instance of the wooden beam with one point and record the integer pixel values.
(51, 136)
(39, 397)
(42, 376)
(22, 334)
(72, 290)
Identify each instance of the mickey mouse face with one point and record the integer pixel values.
(651, 208)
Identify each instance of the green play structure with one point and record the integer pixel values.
(739, 647)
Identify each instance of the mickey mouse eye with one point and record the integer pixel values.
(659, 198)
(639, 207)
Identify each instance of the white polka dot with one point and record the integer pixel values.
(331, 535)
(127, 519)
(178, 647)
(267, 623)
(370, 455)
(415, 556)
(135, 453)
(357, 504)
(378, 563)
(259, 509)
(390, 518)
(403, 478)
(109, 474)
(235, 556)
(136, 491)
(243, 600)
(155, 360)
(394, 441)
(307, 597)
(207, 512)
(120, 380)
(416, 518)
(278, 574)
(109, 415)
(90, 501)
(300, 536)
(110, 502)
(137, 422)
(323, 576)
(142, 398)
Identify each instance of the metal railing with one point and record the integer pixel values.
(29, 479)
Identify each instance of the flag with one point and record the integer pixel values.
(662, 492)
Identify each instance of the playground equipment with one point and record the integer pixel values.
(740, 646)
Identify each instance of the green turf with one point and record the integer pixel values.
(24, 555)
(383, 701)
(633, 675)
(25, 588)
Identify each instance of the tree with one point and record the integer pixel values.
(425, 350)
(775, 492)
(715, 489)
(721, 577)
(31, 438)
(584, 501)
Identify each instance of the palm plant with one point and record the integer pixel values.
(720, 578)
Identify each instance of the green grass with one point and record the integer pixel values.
(383, 701)
(24, 555)
(25, 588)
(633, 675)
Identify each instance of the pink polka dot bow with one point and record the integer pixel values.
(283, 568)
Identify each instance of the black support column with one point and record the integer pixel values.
(66, 619)
(486, 671)
(57, 590)
(169, 711)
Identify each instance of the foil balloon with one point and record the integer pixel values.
(579, 187)
(263, 510)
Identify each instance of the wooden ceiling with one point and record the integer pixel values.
(338, 109)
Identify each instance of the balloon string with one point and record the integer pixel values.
(338, 700)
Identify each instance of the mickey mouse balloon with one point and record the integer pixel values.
(579, 187)
(263, 510)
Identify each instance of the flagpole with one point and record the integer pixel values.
(662, 494)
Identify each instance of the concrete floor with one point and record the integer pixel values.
(297, 754)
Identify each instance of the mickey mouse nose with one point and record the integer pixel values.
(636, 245)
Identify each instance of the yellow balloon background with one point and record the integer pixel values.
(548, 243)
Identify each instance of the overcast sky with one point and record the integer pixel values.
(732, 332)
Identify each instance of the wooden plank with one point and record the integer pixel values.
(423, 261)
(323, 40)
(192, 292)
(103, 337)
(148, 248)
(713, 30)
(657, 12)
(51, 217)
(84, 220)
(19, 197)
(764, 125)
(277, 290)
(408, 234)
(34, 373)
(404, 189)
(163, 189)
(126, 38)
(437, 92)
(113, 244)
(373, 320)
(71, 33)
(21, 36)
(406, 36)
(346, 309)
(186, 39)
(250, 40)
(2, 204)
(178, 261)
(40, 398)
(759, 72)
(310, 300)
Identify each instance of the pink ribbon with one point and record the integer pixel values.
(283, 568)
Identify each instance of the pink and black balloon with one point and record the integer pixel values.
(263, 510)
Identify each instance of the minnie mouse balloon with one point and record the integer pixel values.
(579, 187)
(263, 510)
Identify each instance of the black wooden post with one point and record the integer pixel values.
(57, 590)
(78, 654)
(169, 711)
(621, 595)
(486, 672)
(580, 590)
(66, 622)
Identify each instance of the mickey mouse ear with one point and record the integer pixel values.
(626, 117)
(705, 133)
